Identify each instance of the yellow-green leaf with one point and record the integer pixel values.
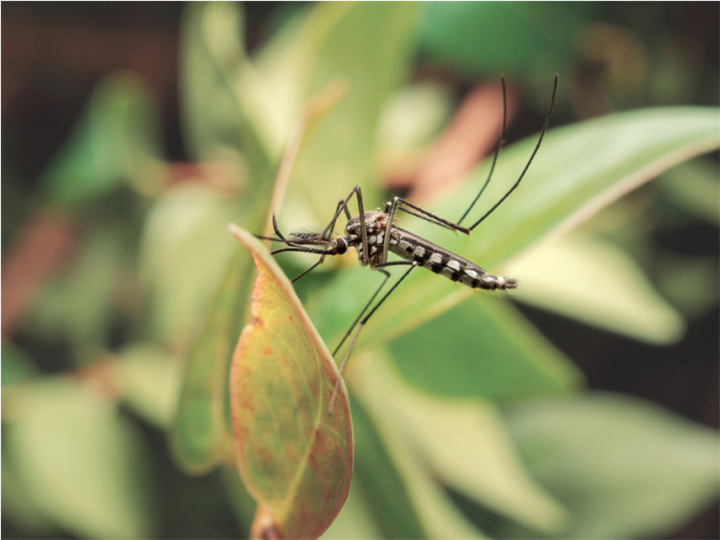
(465, 445)
(295, 458)
(601, 285)
(81, 462)
(624, 468)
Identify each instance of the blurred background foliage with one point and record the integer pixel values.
(134, 132)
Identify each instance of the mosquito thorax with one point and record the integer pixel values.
(375, 221)
(375, 227)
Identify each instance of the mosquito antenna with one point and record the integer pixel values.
(527, 166)
(497, 152)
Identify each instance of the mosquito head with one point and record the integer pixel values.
(341, 245)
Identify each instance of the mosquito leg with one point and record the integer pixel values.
(329, 229)
(405, 206)
(390, 209)
(527, 166)
(497, 153)
(301, 274)
(347, 334)
(388, 228)
(416, 211)
(412, 265)
(363, 227)
(280, 237)
(399, 204)
(300, 249)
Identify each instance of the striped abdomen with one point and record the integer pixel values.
(445, 263)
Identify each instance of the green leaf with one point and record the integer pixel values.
(243, 505)
(295, 458)
(203, 400)
(210, 113)
(624, 468)
(200, 436)
(184, 251)
(369, 46)
(601, 286)
(415, 498)
(356, 519)
(483, 348)
(699, 293)
(694, 186)
(224, 101)
(20, 509)
(465, 444)
(414, 116)
(80, 461)
(482, 37)
(17, 365)
(116, 141)
(385, 488)
(149, 380)
(578, 170)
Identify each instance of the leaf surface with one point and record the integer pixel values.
(404, 500)
(694, 186)
(481, 37)
(483, 348)
(465, 444)
(367, 45)
(624, 468)
(80, 461)
(295, 459)
(600, 285)
(117, 140)
(200, 437)
(149, 380)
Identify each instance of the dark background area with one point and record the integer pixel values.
(54, 54)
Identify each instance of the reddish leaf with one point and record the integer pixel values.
(295, 459)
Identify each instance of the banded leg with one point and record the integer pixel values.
(310, 268)
(330, 227)
(296, 249)
(495, 156)
(412, 265)
(400, 204)
(527, 165)
(410, 208)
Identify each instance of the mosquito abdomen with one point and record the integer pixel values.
(445, 263)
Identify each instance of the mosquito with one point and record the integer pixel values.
(374, 235)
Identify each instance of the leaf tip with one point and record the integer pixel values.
(234, 230)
